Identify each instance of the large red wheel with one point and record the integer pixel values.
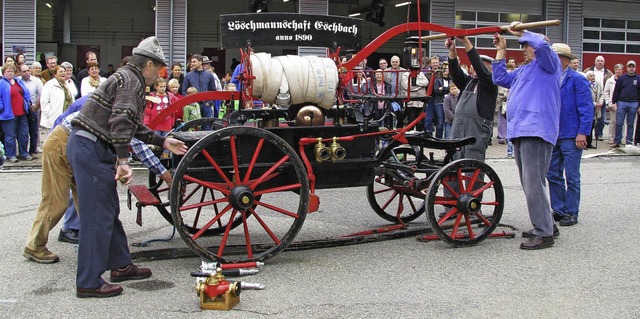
(391, 193)
(465, 202)
(239, 175)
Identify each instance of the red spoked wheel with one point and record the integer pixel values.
(240, 181)
(465, 201)
(393, 193)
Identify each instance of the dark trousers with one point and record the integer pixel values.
(34, 132)
(103, 242)
(16, 129)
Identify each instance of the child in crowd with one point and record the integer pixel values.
(174, 88)
(449, 105)
(157, 102)
(191, 111)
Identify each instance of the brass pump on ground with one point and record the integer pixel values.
(216, 293)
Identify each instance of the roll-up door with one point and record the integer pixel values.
(171, 29)
(443, 13)
(319, 7)
(19, 29)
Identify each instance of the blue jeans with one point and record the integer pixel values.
(71, 220)
(428, 120)
(447, 130)
(628, 110)
(439, 116)
(206, 110)
(565, 161)
(16, 129)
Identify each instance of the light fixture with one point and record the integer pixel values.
(355, 14)
(48, 4)
(401, 4)
(285, 0)
(376, 12)
(259, 6)
(153, 8)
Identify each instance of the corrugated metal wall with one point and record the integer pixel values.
(443, 12)
(528, 7)
(171, 29)
(554, 10)
(19, 19)
(612, 10)
(319, 7)
(574, 26)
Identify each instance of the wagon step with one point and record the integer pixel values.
(144, 197)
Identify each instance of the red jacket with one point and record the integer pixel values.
(153, 109)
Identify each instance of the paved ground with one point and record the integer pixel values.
(591, 272)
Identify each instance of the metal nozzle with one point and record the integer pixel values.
(337, 152)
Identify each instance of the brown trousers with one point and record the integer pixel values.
(57, 181)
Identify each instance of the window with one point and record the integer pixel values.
(472, 19)
(610, 35)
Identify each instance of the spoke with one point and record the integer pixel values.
(446, 202)
(203, 204)
(473, 180)
(254, 159)
(202, 230)
(490, 203)
(454, 232)
(383, 190)
(216, 186)
(265, 227)
(186, 198)
(446, 185)
(269, 171)
(247, 236)
(278, 189)
(195, 220)
(217, 168)
(480, 190)
(413, 206)
(227, 230)
(215, 205)
(452, 211)
(400, 206)
(277, 209)
(460, 181)
(395, 193)
(468, 222)
(483, 219)
(234, 159)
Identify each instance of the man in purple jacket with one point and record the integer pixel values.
(533, 123)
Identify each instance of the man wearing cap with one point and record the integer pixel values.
(476, 103)
(203, 81)
(533, 124)
(625, 99)
(98, 153)
(576, 119)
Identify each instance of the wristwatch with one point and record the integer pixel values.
(124, 162)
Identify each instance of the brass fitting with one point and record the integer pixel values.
(322, 152)
(337, 152)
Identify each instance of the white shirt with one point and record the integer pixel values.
(71, 86)
(599, 76)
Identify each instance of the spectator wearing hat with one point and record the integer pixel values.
(534, 116)
(576, 120)
(477, 100)
(98, 153)
(206, 65)
(203, 81)
(625, 99)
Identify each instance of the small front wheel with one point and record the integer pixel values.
(465, 201)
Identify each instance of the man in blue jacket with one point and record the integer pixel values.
(203, 81)
(576, 118)
(533, 119)
(625, 99)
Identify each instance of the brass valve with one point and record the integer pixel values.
(216, 293)
(322, 152)
(337, 152)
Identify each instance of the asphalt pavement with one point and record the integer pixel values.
(591, 272)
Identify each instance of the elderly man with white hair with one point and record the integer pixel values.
(602, 76)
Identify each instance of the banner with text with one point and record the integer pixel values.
(290, 29)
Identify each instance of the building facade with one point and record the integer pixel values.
(69, 28)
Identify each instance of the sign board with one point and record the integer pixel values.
(290, 29)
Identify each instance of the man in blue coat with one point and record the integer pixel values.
(532, 124)
(576, 118)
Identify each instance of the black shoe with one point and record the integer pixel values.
(557, 216)
(69, 236)
(569, 220)
(615, 146)
(591, 147)
(537, 242)
(529, 233)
